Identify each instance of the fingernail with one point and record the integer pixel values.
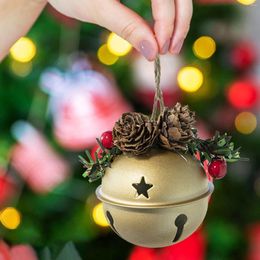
(178, 47)
(147, 50)
(165, 47)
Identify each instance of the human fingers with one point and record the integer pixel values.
(126, 23)
(163, 14)
(182, 24)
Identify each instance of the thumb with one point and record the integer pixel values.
(118, 18)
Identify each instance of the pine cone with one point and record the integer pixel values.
(177, 128)
(134, 133)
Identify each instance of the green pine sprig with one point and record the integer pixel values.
(219, 146)
(95, 168)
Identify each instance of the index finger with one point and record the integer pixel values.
(182, 24)
(163, 14)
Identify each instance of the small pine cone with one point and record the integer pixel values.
(134, 133)
(177, 128)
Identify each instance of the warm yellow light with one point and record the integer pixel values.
(245, 122)
(190, 79)
(204, 47)
(10, 218)
(20, 69)
(98, 215)
(23, 50)
(117, 45)
(246, 2)
(105, 56)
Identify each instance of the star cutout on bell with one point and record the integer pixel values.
(142, 187)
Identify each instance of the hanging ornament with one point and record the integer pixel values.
(243, 56)
(154, 190)
(79, 94)
(143, 79)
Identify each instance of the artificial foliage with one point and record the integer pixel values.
(219, 145)
(135, 134)
(65, 214)
(168, 128)
(96, 167)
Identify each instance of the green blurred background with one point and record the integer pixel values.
(67, 82)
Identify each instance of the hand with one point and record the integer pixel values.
(172, 20)
(17, 16)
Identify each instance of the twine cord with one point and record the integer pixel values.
(158, 104)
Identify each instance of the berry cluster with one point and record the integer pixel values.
(217, 167)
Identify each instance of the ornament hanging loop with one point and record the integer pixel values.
(158, 104)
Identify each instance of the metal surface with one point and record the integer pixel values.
(155, 200)
(152, 205)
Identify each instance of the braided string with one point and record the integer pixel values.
(158, 104)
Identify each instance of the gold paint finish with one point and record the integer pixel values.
(180, 186)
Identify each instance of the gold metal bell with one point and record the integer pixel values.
(155, 200)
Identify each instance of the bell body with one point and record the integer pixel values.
(155, 200)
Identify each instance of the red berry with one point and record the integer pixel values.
(217, 168)
(107, 139)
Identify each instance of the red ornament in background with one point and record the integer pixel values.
(192, 248)
(254, 242)
(17, 252)
(35, 160)
(4, 251)
(142, 253)
(107, 139)
(83, 103)
(243, 56)
(7, 188)
(242, 94)
(217, 168)
(23, 252)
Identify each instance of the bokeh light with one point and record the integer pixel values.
(246, 2)
(245, 123)
(20, 69)
(204, 47)
(242, 94)
(190, 79)
(10, 218)
(105, 56)
(98, 215)
(23, 50)
(117, 45)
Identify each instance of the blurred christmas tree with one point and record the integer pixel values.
(62, 88)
